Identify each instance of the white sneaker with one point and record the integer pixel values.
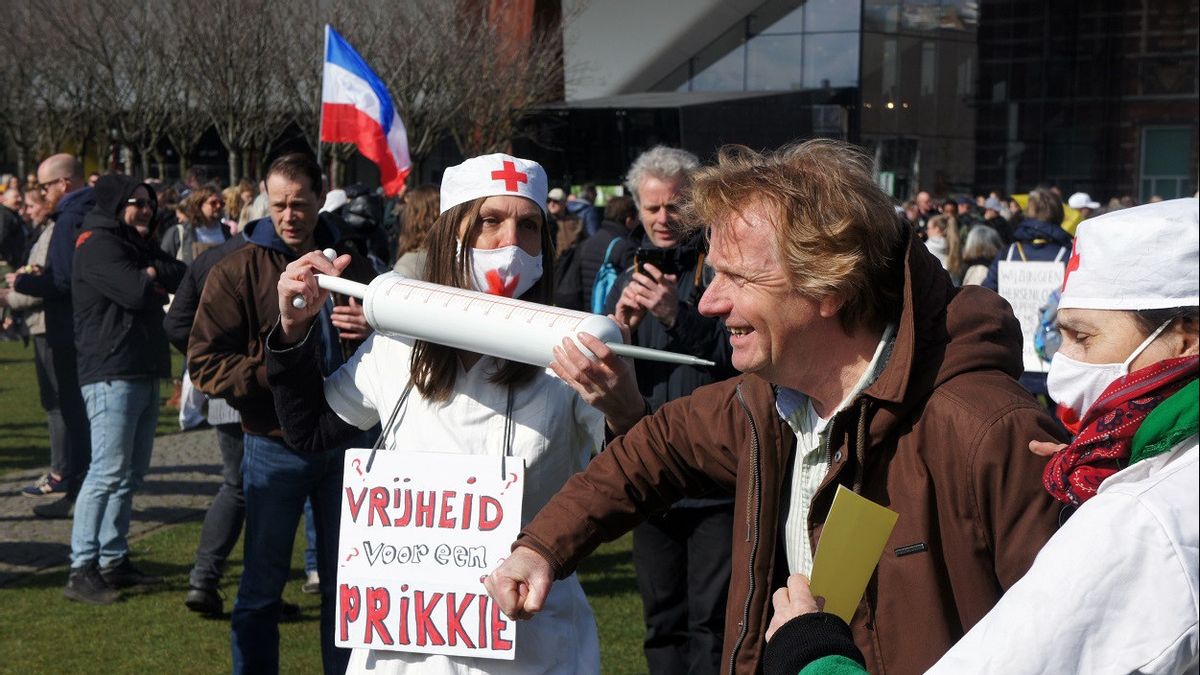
(312, 583)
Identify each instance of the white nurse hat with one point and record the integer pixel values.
(492, 175)
(1146, 257)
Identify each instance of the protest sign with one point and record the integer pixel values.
(1026, 286)
(419, 533)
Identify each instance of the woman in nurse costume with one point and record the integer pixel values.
(491, 236)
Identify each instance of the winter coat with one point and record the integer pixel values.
(178, 322)
(590, 257)
(238, 307)
(1039, 241)
(179, 241)
(118, 307)
(53, 285)
(587, 213)
(940, 437)
(35, 317)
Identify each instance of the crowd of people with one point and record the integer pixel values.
(856, 343)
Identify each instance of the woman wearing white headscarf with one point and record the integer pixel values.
(1115, 590)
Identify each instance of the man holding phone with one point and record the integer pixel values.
(682, 555)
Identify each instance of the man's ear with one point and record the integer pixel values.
(830, 305)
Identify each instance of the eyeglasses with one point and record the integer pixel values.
(139, 203)
(216, 203)
(42, 187)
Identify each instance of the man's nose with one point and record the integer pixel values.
(713, 302)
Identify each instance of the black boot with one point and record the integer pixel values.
(86, 585)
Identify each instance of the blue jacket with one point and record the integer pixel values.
(1039, 241)
(590, 215)
(53, 286)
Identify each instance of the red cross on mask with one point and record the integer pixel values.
(511, 177)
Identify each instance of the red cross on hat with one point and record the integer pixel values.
(510, 176)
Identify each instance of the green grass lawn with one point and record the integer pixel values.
(152, 632)
(23, 441)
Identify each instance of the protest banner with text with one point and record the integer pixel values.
(1027, 286)
(419, 533)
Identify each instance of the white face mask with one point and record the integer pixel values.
(508, 271)
(1076, 386)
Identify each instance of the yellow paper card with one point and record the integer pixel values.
(851, 543)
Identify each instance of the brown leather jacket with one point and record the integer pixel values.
(940, 437)
(237, 309)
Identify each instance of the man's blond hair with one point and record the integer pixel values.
(838, 234)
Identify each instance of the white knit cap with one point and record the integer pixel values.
(1146, 257)
(492, 175)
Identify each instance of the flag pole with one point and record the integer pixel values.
(321, 97)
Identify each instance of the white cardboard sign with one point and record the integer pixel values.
(1027, 285)
(419, 533)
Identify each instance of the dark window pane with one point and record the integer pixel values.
(920, 15)
(830, 60)
(773, 62)
(829, 15)
(881, 15)
(723, 75)
(1167, 152)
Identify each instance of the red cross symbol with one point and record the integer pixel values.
(1072, 264)
(510, 176)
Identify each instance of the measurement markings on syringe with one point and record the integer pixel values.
(470, 301)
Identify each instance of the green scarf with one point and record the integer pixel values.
(1175, 419)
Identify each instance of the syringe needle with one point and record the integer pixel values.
(656, 355)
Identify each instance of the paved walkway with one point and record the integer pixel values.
(185, 472)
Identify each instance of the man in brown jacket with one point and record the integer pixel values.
(238, 307)
(862, 366)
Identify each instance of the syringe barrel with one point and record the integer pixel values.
(502, 327)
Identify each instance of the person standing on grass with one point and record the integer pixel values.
(226, 360)
(681, 554)
(60, 181)
(119, 286)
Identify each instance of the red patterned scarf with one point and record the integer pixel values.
(1101, 448)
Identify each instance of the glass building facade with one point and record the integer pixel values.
(961, 96)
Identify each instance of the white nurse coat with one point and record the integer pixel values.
(555, 431)
(1112, 592)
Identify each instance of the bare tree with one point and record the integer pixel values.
(522, 70)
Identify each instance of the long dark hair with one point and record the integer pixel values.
(433, 367)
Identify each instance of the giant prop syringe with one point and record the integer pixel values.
(486, 324)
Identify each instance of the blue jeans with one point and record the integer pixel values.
(310, 537)
(123, 416)
(276, 481)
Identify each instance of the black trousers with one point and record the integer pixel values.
(66, 415)
(683, 562)
(226, 514)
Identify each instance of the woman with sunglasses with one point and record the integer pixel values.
(1114, 591)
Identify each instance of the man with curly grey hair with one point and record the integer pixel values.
(682, 554)
(655, 181)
